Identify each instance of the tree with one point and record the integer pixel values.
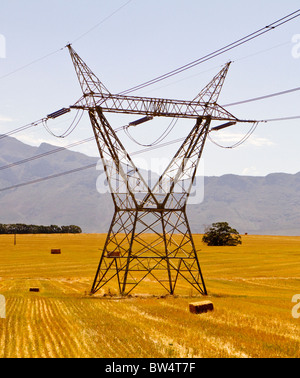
(54, 229)
(20, 228)
(71, 229)
(220, 234)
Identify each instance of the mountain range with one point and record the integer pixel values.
(40, 192)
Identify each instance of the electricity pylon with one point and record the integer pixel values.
(149, 235)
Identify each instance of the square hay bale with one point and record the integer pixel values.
(34, 289)
(201, 307)
(113, 254)
(55, 251)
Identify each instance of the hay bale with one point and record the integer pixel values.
(34, 289)
(113, 254)
(201, 307)
(55, 251)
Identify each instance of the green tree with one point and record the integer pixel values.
(54, 229)
(220, 234)
(20, 228)
(71, 229)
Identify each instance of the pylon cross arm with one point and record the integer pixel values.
(155, 107)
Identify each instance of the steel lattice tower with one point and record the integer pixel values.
(149, 234)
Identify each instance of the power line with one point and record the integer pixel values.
(22, 128)
(234, 61)
(62, 48)
(162, 77)
(152, 146)
(56, 150)
(281, 119)
(36, 123)
(159, 139)
(171, 73)
(218, 52)
(95, 164)
(81, 168)
(48, 177)
(43, 121)
(69, 130)
(31, 63)
(263, 97)
(240, 142)
(102, 21)
(157, 142)
(180, 69)
(249, 133)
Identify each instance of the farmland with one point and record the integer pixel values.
(251, 287)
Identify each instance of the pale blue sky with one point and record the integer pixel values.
(141, 41)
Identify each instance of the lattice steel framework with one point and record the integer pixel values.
(149, 235)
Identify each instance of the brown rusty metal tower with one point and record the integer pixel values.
(149, 235)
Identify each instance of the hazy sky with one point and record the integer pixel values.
(146, 39)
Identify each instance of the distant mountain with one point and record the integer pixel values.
(256, 205)
(68, 199)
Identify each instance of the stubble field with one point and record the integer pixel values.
(251, 287)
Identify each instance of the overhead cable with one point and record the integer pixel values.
(22, 128)
(70, 129)
(263, 97)
(240, 142)
(62, 48)
(50, 152)
(159, 139)
(81, 168)
(48, 177)
(218, 52)
(102, 21)
(95, 164)
(31, 63)
(281, 119)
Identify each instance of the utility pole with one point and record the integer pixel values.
(129, 254)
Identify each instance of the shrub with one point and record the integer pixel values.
(221, 234)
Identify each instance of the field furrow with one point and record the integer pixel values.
(251, 287)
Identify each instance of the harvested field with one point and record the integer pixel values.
(251, 287)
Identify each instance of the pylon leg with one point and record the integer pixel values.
(116, 251)
(149, 243)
